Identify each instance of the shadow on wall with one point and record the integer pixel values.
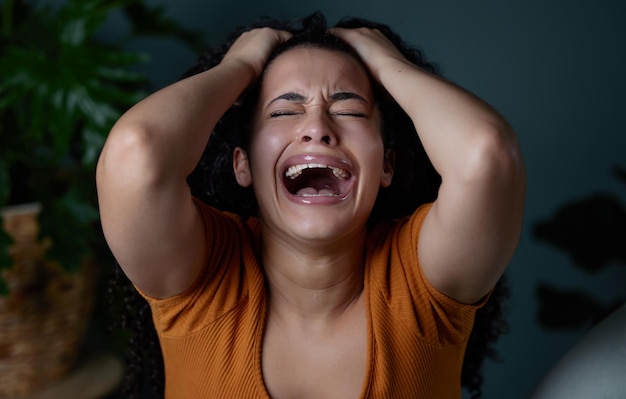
(592, 231)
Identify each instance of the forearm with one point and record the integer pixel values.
(456, 128)
(459, 131)
(171, 127)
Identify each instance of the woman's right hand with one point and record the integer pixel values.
(254, 47)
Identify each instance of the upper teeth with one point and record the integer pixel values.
(296, 170)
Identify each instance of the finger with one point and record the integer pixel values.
(284, 35)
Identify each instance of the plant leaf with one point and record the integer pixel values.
(5, 183)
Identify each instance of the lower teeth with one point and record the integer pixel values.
(312, 192)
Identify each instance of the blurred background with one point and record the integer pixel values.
(557, 71)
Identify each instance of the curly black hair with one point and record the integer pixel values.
(213, 182)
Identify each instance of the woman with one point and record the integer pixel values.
(334, 279)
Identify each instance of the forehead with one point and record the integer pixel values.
(304, 68)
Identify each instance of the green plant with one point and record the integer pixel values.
(60, 93)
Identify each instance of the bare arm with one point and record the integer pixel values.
(474, 226)
(148, 216)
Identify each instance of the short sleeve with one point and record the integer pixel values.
(220, 285)
(397, 273)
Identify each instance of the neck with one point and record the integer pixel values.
(313, 282)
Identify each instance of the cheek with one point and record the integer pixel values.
(265, 150)
(374, 152)
(370, 141)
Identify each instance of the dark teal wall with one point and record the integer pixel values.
(555, 69)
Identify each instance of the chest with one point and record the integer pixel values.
(324, 363)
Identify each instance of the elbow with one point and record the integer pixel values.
(495, 157)
(128, 158)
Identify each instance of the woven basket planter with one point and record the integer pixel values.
(44, 317)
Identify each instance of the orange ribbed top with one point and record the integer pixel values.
(211, 335)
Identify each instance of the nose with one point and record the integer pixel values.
(318, 129)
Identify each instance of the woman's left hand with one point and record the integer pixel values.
(373, 47)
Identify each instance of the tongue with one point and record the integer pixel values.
(311, 191)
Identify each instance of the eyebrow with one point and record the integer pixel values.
(299, 98)
(347, 96)
(293, 97)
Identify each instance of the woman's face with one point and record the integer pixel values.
(316, 157)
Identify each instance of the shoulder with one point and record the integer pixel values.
(406, 229)
(397, 282)
(228, 269)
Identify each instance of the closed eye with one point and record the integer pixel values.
(353, 114)
(276, 114)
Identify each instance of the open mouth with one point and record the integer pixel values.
(317, 180)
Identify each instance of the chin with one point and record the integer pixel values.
(326, 228)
